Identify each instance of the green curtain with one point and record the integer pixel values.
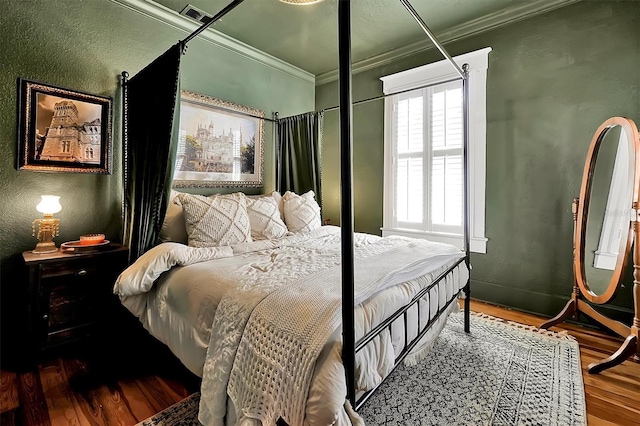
(299, 143)
(150, 149)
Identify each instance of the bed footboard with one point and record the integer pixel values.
(403, 311)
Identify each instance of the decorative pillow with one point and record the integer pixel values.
(173, 228)
(301, 212)
(280, 201)
(264, 217)
(276, 196)
(218, 220)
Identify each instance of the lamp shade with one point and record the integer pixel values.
(49, 204)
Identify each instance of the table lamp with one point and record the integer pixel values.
(48, 227)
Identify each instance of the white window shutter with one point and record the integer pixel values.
(446, 173)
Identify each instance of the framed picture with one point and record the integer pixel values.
(220, 144)
(63, 130)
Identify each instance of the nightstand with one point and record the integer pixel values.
(69, 295)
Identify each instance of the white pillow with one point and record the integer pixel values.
(173, 227)
(276, 196)
(218, 220)
(265, 220)
(301, 212)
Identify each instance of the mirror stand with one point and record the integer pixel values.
(631, 345)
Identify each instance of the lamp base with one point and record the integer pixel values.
(45, 247)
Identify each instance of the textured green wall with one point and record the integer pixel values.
(552, 80)
(85, 45)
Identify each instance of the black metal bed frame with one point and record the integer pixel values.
(350, 346)
(408, 346)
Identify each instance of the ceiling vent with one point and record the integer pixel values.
(195, 13)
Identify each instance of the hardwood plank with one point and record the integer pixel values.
(622, 389)
(82, 384)
(138, 403)
(177, 389)
(8, 418)
(114, 406)
(86, 386)
(59, 396)
(9, 399)
(593, 420)
(152, 389)
(607, 409)
(33, 408)
(628, 371)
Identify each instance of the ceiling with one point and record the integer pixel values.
(306, 36)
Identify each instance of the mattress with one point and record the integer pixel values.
(180, 308)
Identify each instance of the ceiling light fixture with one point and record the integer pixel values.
(301, 2)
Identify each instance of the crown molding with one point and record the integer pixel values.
(522, 10)
(173, 19)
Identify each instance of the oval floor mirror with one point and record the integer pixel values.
(606, 228)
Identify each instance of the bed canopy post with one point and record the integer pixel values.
(464, 75)
(466, 183)
(125, 145)
(276, 144)
(346, 196)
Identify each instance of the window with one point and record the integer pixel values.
(424, 177)
(66, 147)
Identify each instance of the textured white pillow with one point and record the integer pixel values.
(173, 227)
(276, 196)
(219, 220)
(264, 217)
(301, 212)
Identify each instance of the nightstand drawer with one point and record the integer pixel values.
(78, 268)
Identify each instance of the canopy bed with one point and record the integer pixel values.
(301, 326)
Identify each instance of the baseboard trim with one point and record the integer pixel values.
(536, 303)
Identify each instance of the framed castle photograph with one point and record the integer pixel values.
(220, 144)
(63, 130)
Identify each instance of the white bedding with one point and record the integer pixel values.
(181, 308)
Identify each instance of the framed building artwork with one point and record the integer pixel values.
(63, 130)
(220, 144)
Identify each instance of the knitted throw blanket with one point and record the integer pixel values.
(267, 334)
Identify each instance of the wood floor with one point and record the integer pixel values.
(127, 385)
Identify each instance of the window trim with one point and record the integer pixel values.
(433, 74)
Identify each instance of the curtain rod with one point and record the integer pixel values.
(394, 93)
(256, 116)
(206, 25)
(432, 36)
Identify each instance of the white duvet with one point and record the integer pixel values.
(260, 366)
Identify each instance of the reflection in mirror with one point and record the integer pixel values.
(608, 210)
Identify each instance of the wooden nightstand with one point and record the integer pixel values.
(69, 294)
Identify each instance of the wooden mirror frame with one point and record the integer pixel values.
(583, 209)
(631, 344)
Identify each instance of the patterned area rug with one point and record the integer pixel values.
(502, 373)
